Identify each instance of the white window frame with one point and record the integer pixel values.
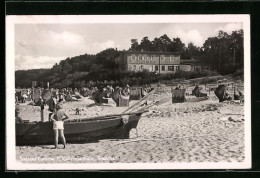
(151, 68)
(162, 68)
(176, 67)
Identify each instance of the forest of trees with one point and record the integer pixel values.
(225, 53)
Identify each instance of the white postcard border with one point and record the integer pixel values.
(13, 164)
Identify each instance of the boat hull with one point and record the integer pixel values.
(75, 132)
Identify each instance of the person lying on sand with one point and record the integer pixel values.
(58, 117)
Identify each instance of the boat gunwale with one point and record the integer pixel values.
(92, 119)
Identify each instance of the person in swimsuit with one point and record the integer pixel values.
(58, 117)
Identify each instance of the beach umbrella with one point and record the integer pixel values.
(46, 96)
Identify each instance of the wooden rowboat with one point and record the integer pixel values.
(83, 130)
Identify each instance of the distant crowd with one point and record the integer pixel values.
(65, 94)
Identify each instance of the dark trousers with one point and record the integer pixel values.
(50, 116)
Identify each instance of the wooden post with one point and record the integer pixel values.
(33, 85)
(234, 91)
(42, 115)
(33, 94)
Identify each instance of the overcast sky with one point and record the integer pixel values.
(43, 45)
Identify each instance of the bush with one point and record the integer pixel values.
(118, 77)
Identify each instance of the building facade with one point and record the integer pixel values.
(160, 62)
(194, 65)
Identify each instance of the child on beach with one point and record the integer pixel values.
(58, 117)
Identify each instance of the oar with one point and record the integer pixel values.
(156, 103)
(139, 102)
(149, 105)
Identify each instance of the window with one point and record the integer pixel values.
(140, 58)
(133, 57)
(176, 68)
(134, 67)
(197, 68)
(162, 58)
(152, 58)
(145, 58)
(141, 67)
(151, 68)
(172, 58)
(170, 68)
(156, 68)
(163, 68)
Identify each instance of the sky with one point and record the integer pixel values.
(42, 45)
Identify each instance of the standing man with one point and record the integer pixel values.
(61, 96)
(52, 106)
(42, 108)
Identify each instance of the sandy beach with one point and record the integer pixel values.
(193, 131)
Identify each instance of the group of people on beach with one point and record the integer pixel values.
(57, 116)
